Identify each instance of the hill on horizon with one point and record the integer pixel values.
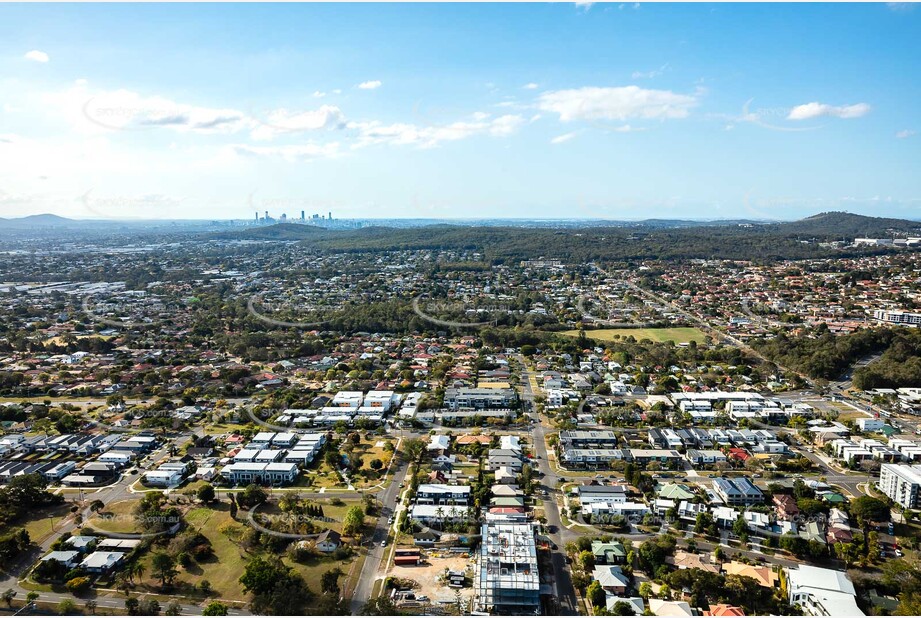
(845, 224)
(275, 231)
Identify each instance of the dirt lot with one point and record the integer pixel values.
(428, 575)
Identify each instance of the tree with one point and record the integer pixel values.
(414, 449)
(206, 493)
(868, 508)
(848, 553)
(8, 596)
(215, 608)
(174, 608)
(67, 607)
(252, 495)
(134, 569)
(78, 585)
(132, 606)
(378, 606)
(622, 608)
(587, 560)
(149, 607)
(595, 594)
(353, 522)
(645, 590)
(164, 567)
(329, 581)
(276, 589)
(376, 464)
(90, 606)
(740, 529)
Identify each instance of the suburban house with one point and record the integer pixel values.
(328, 541)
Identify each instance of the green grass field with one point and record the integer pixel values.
(678, 335)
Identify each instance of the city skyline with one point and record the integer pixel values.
(619, 111)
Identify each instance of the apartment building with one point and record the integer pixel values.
(245, 472)
(901, 483)
(588, 439)
(479, 398)
(905, 318)
(439, 493)
(737, 491)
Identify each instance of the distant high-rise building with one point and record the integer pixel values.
(257, 215)
(330, 215)
(267, 215)
(302, 215)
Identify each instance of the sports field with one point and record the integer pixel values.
(678, 335)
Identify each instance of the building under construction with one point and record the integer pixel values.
(506, 577)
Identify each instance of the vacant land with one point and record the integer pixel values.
(429, 577)
(684, 334)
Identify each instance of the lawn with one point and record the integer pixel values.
(117, 517)
(38, 523)
(678, 334)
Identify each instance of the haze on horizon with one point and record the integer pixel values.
(554, 111)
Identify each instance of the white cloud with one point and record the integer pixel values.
(404, 134)
(817, 110)
(370, 85)
(318, 94)
(565, 137)
(294, 153)
(94, 111)
(650, 74)
(584, 4)
(906, 133)
(282, 121)
(900, 6)
(530, 86)
(620, 103)
(99, 111)
(37, 56)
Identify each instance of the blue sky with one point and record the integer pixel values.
(622, 111)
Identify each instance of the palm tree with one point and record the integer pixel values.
(134, 569)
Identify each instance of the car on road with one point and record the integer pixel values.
(384, 543)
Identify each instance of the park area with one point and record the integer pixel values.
(682, 334)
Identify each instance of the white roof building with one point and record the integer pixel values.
(821, 592)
